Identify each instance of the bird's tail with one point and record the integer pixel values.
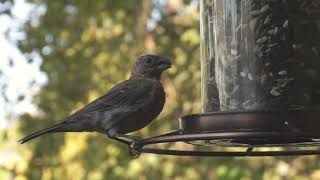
(55, 128)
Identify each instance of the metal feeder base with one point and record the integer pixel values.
(291, 132)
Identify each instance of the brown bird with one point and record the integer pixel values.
(127, 107)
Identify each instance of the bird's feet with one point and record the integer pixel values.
(135, 149)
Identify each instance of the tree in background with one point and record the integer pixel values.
(86, 48)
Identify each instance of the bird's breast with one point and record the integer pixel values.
(158, 100)
(144, 115)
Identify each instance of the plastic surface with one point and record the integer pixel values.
(260, 55)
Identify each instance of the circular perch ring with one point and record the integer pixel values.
(249, 130)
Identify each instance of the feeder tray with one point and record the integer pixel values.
(290, 132)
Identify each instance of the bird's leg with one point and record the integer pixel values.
(112, 134)
(135, 149)
(128, 137)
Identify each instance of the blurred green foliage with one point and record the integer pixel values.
(87, 47)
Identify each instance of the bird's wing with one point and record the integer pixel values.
(128, 95)
(121, 99)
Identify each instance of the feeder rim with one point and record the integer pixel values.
(250, 130)
(138, 146)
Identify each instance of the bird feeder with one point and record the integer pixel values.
(260, 83)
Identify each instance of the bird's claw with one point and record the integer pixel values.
(135, 149)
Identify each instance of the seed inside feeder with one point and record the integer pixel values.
(268, 49)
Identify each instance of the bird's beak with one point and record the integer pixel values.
(164, 64)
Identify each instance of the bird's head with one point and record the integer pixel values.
(150, 66)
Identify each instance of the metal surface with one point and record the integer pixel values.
(228, 154)
(138, 146)
(279, 121)
(290, 132)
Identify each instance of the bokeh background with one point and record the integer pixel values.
(58, 55)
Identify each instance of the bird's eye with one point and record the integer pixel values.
(149, 61)
(160, 62)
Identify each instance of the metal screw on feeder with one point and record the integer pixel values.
(260, 80)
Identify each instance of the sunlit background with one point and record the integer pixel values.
(58, 55)
(20, 74)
